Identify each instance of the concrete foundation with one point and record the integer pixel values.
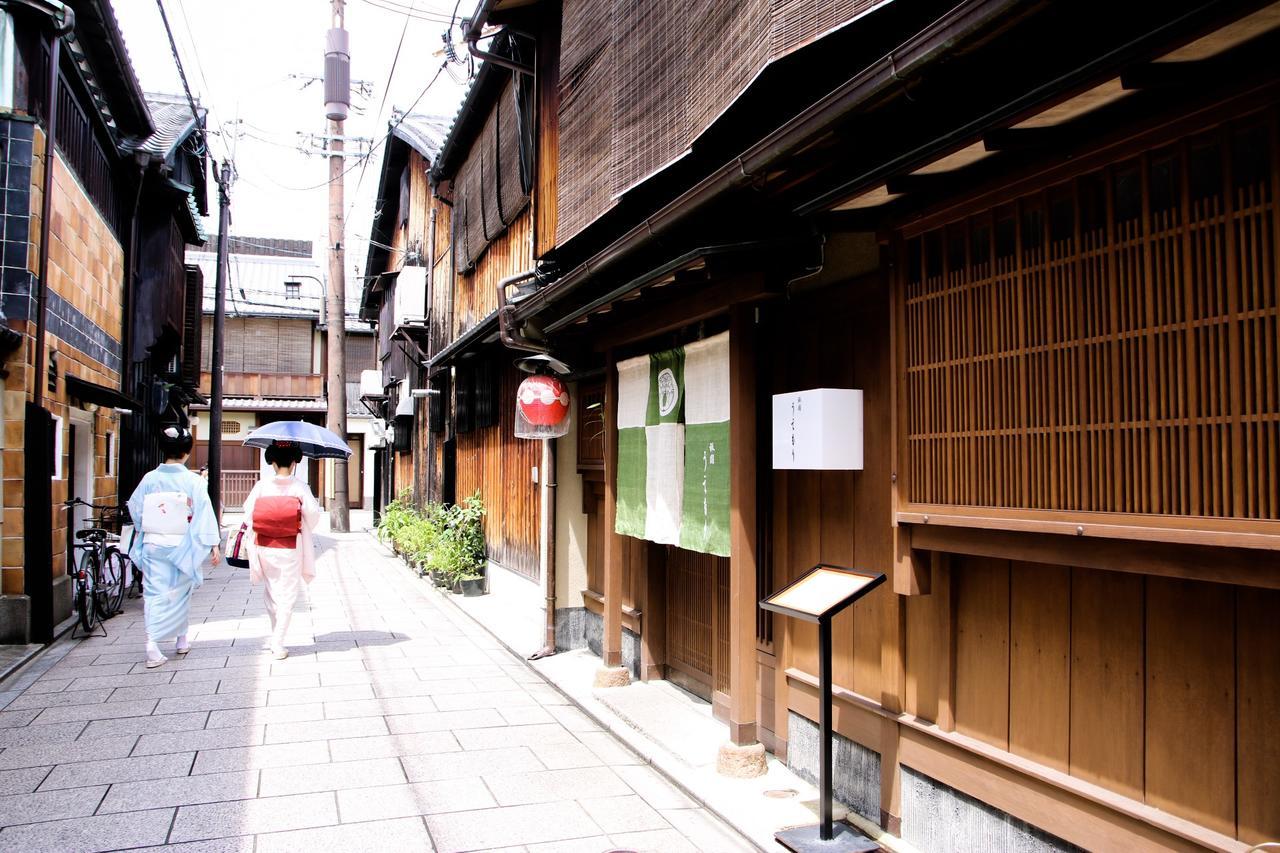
(571, 628)
(938, 817)
(63, 591)
(855, 769)
(15, 620)
(593, 634)
(741, 762)
(612, 676)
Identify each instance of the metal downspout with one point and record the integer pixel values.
(549, 536)
(46, 202)
(508, 329)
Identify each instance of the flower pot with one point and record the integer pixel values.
(439, 578)
(457, 588)
(473, 587)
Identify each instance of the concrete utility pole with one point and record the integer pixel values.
(337, 96)
(219, 326)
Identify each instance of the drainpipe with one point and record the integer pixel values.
(508, 330)
(431, 298)
(485, 56)
(549, 536)
(51, 118)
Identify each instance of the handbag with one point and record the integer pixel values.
(237, 550)
(277, 521)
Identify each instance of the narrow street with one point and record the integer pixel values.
(395, 724)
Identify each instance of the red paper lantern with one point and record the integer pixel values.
(543, 400)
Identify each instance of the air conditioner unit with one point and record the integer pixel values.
(411, 297)
(371, 384)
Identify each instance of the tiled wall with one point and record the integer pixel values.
(84, 328)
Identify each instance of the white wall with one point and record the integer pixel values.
(571, 521)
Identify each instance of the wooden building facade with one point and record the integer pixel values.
(1058, 291)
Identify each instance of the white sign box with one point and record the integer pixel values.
(818, 430)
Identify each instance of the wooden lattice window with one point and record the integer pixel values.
(1110, 344)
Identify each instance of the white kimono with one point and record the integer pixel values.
(283, 569)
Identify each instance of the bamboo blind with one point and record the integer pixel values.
(1106, 345)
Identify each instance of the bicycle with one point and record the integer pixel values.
(103, 567)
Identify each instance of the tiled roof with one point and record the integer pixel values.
(230, 404)
(171, 115)
(424, 133)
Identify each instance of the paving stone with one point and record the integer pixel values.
(49, 805)
(158, 724)
(608, 748)
(187, 790)
(494, 699)
(59, 700)
(653, 841)
(161, 691)
(254, 757)
(704, 832)
(309, 778)
(211, 702)
(513, 736)
(22, 781)
(526, 715)
(325, 729)
(544, 786)
(457, 765)
(89, 834)
(73, 668)
(423, 688)
(158, 744)
(118, 770)
(48, 685)
(389, 746)
(243, 817)
(407, 835)
(595, 844)
(103, 711)
(264, 715)
(572, 718)
(458, 831)
(560, 756)
(53, 733)
(654, 788)
(306, 695)
(266, 681)
(442, 720)
(378, 707)
(111, 682)
(38, 754)
(240, 844)
(11, 719)
(420, 798)
(623, 814)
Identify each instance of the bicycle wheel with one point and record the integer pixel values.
(112, 583)
(86, 604)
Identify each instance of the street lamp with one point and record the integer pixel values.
(324, 293)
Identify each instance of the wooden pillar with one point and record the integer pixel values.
(742, 526)
(612, 641)
(653, 626)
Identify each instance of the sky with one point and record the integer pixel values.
(239, 55)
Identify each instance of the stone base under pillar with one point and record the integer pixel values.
(741, 762)
(612, 676)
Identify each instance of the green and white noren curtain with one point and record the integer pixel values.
(673, 447)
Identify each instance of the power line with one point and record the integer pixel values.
(182, 73)
(408, 11)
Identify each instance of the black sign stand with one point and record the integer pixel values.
(817, 596)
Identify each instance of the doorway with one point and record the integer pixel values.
(79, 476)
(355, 472)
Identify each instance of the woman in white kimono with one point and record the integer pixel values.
(171, 561)
(283, 569)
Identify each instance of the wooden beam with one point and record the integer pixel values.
(1167, 75)
(1243, 566)
(1023, 138)
(742, 524)
(653, 636)
(611, 644)
(911, 574)
(709, 302)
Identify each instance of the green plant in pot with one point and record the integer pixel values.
(463, 544)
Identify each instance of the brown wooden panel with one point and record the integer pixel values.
(1157, 274)
(1190, 725)
(1039, 663)
(804, 544)
(691, 595)
(1258, 698)
(982, 649)
(927, 641)
(836, 521)
(1107, 682)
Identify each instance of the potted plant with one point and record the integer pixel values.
(466, 548)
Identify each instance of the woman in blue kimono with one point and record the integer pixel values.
(171, 562)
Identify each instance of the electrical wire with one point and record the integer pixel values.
(415, 13)
(182, 72)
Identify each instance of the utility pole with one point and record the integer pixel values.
(219, 326)
(337, 96)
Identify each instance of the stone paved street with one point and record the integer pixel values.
(395, 724)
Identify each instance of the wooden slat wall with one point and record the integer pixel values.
(494, 462)
(475, 294)
(442, 281)
(1107, 345)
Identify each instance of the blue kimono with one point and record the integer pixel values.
(171, 573)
